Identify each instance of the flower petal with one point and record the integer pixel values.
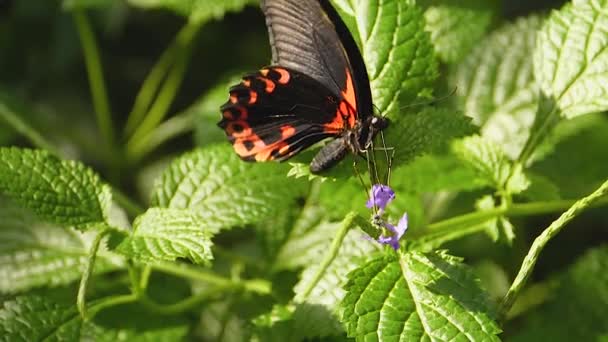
(402, 226)
(396, 232)
(381, 195)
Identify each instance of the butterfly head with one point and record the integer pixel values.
(369, 129)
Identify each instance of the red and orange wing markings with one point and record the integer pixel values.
(246, 143)
(346, 114)
(250, 146)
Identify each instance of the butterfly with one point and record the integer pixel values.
(317, 87)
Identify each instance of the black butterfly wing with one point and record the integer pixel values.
(273, 114)
(316, 89)
(309, 36)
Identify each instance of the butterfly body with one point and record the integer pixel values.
(316, 88)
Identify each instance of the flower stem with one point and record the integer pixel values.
(347, 223)
(541, 241)
(86, 274)
(96, 79)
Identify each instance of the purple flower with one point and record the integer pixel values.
(381, 195)
(397, 233)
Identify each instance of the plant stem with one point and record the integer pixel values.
(134, 278)
(96, 80)
(260, 286)
(184, 305)
(107, 302)
(167, 130)
(540, 129)
(459, 226)
(88, 271)
(26, 130)
(167, 93)
(347, 223)
(155, 77)
(541, 241)
(130, 206)
(145, 277)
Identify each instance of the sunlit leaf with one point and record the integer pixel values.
(34, 254)
(571, 57)
(457, 26)
(168, 234)
(62, 192)
(496, 84)
(417, 297)
(224, 190)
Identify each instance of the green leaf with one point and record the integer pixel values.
(541, 189)
(196, 10)
(398, 53)
(419, 297)
(61, 192)
(219, 322)
(97, 333)
(33, 318)
(168, 234)
(433, 173)
(36, 318)
(500, 228)
(307, 240)
(458, 26)
(321, 305)
(224, 190)
(492, 164)
(582, 289)
(571, 57)
(496, 84)
(299, 322)
(578, 164)
(34, 254)
(427, 131)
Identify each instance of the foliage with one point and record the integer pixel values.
(121, 227)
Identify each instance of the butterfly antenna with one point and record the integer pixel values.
(360, 177)
(389, 159)
(431, 102)
(372, 165)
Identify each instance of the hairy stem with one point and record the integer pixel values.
(541, 241)
(87, 272)
(346, 225)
